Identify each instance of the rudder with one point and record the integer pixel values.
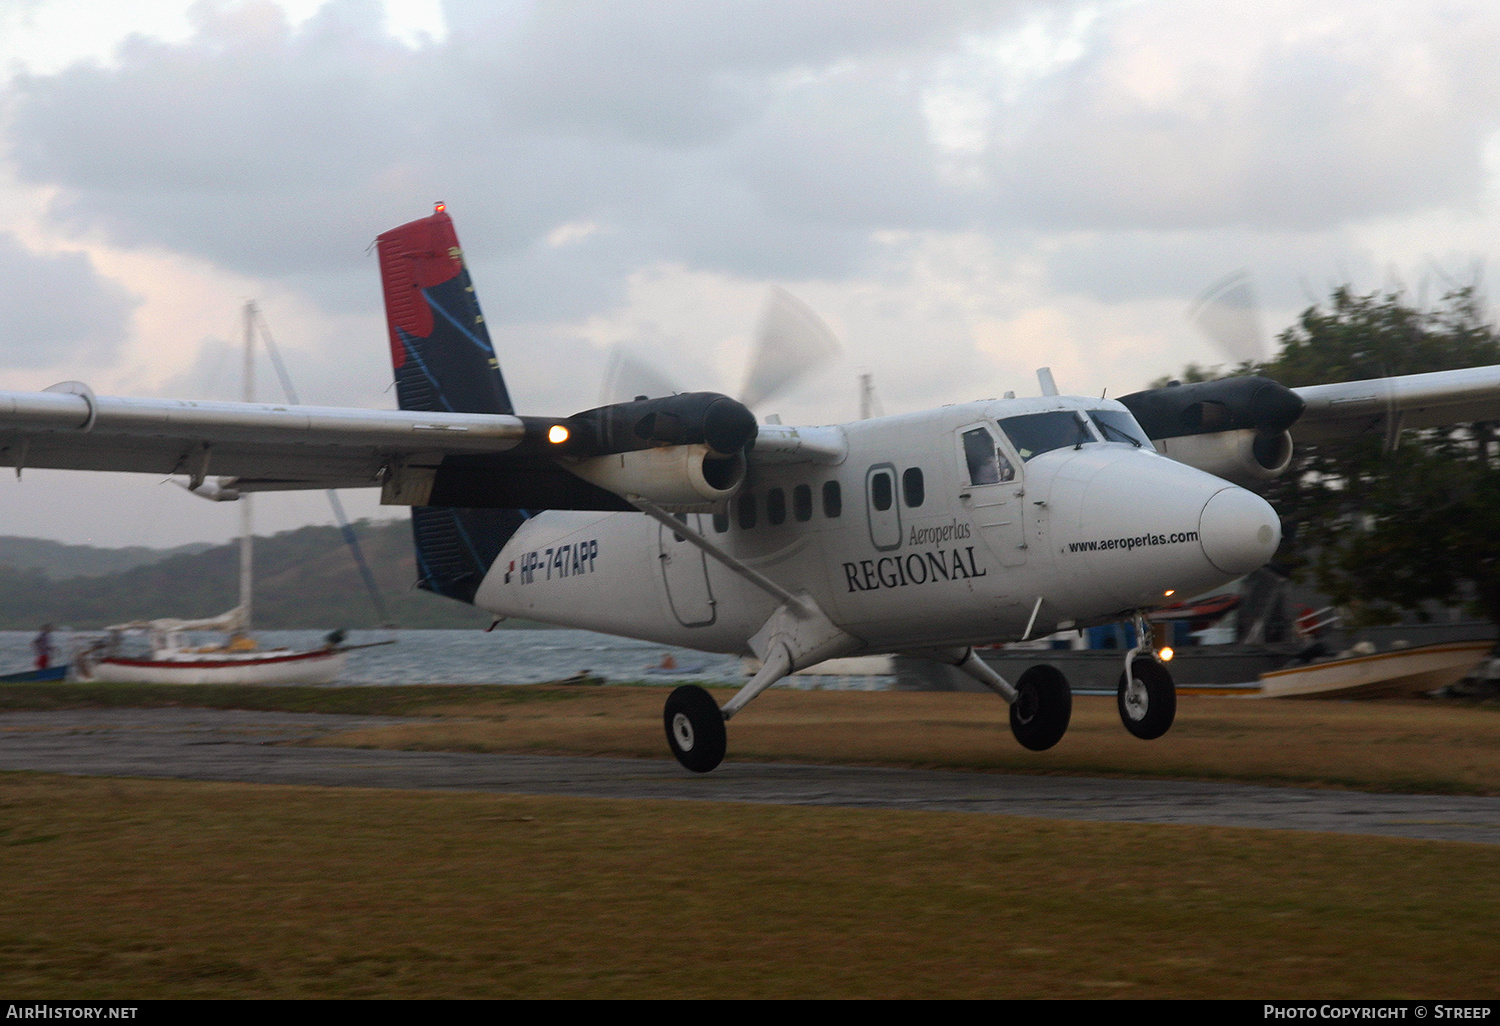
(440, 347)
(443, 362)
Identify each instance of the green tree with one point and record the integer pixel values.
(1392, 521)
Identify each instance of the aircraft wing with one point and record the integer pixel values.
(1401, 403)
(263, 446)
(417, 458)
(780, 444)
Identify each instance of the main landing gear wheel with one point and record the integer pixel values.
(1148, 702)
(695, 728)
(1044, 704)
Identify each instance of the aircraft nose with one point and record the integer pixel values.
(1239, 531)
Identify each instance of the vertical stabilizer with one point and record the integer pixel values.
(440, 347)
(443, 362)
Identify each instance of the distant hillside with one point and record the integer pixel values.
(303, 578)
(58, 561)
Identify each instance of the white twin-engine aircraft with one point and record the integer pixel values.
(679, 520)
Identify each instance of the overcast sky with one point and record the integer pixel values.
(965, 190)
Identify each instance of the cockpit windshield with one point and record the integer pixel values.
(1119, 426)
(1036, 433)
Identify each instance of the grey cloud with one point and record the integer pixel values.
(1121, 267)
(853, 153)
(766, 139)
(1317, 136)
(56, 307)
(680, 71)
(252, 145)
(281, 153)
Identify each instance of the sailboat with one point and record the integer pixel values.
(172, 658)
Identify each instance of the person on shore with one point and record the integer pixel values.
(42, 646)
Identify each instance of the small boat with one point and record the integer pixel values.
(172, 658)
(669, 665)
(33, 676)
(1402, 672)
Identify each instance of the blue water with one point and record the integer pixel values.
(476, 657)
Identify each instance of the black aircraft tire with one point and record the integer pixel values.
(1148, 709)
(1044, 704)
(695, 728)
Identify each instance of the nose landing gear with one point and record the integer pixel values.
(1147, 699)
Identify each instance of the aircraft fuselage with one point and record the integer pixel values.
(938, 528)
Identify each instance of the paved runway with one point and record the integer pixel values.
(200, 744)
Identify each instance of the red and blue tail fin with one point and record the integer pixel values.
(443, 362)
(440, 347)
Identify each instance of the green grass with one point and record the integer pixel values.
(1421, 746)
(395, 700)
(164, 889)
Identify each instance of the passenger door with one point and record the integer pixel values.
(992, 491)
(684, 571)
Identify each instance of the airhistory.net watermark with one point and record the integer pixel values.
(45, 1011)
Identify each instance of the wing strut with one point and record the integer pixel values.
(799, 634)
(756, 578)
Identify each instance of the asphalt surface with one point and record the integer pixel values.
(231, 745)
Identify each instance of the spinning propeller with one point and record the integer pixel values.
(1228, 315)
(790, 342)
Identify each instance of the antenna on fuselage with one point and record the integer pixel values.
(1044, 376)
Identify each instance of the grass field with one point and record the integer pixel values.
(1420, 746)
(144, 888)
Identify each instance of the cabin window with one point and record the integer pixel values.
(986, 463)
(1118, 426)
(776, 506)
(747, 512)
(980, 455)
(881, 492)
(721, 523)
(833, 500)
(912, 488)
(802, 503)
(1036, 433)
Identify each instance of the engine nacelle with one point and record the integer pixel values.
(679, 477)
(1245, 457)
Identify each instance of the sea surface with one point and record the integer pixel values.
(514, 656)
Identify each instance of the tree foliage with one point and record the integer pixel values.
(1380, 528)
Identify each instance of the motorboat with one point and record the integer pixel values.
(1399, 672)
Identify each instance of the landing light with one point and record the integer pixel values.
(1169, 593)
(1166, 654)
(557, 434)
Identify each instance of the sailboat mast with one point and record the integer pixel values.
(245, 500)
